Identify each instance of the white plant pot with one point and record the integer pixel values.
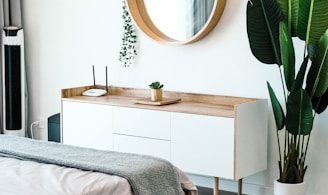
(288, 189)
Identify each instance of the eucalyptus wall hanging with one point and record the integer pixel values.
(129, 39)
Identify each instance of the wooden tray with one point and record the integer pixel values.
(148, 101)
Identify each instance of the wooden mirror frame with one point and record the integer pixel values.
(138, 12)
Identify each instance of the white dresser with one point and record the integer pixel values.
(212, 135)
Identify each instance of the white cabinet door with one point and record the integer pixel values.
(87, 125)
(203, 144)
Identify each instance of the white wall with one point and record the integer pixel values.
(64, 38)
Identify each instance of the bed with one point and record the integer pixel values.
(39, 167)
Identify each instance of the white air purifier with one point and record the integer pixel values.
(14, 90)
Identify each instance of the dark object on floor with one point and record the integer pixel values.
(209, 191)
(54, 128)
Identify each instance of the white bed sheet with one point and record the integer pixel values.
(32, 178)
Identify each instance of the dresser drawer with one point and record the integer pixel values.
(139, 145)
(141, 122)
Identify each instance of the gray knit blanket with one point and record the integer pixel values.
(147, 175)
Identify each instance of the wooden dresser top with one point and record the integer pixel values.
(203, 104)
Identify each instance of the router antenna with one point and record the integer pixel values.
(94, 77)
(95, 92)
(106, 81)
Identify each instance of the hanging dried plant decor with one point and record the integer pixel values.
(129, 39)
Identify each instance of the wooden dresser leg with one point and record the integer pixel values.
(240, 186)
(216, 186)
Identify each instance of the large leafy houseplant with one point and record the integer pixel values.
(273, 26)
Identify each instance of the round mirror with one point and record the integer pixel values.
(176, 22)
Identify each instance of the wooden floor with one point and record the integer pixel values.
(209, 191)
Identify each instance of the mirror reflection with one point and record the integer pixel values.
(179, 19)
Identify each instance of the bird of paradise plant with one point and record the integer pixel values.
(272, 27)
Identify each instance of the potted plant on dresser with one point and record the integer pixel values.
(273, 27)
(156, 91)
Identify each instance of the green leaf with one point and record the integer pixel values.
(300, 76)
(277, 109)
(289, 9)
(263, 17)
(287, 55)
(311, 48)
(312, 20)
(317, 79)
(156, 85)
(320, 104)
(299, 116)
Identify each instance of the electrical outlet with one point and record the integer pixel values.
(41, 122)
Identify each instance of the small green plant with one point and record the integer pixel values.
(129, 39)
(156, 85)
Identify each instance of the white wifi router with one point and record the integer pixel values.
(94, 91)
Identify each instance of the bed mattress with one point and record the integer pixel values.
(38, 167)
(30, 178)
